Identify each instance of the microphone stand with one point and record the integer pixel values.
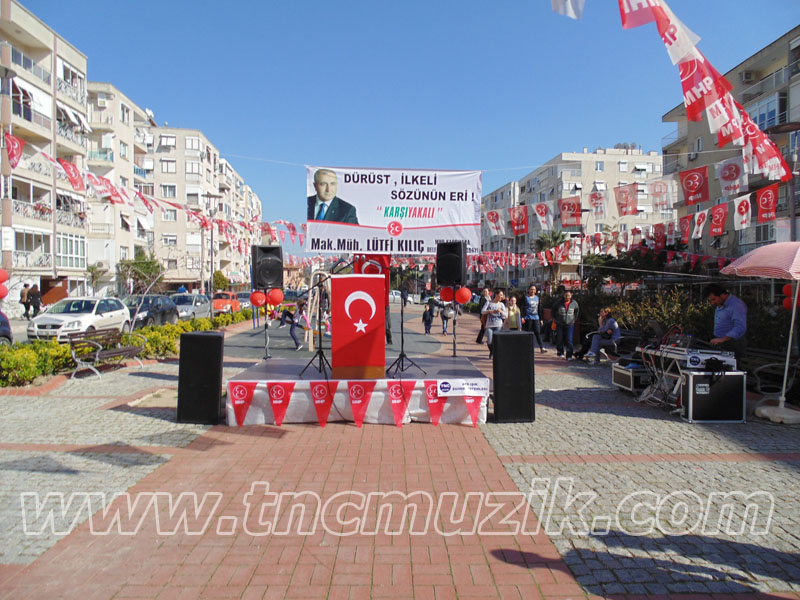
(319, 355)
(399, 363)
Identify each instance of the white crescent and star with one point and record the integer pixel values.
(353, 297)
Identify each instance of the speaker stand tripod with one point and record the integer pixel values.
(400, 362)
(266, 334)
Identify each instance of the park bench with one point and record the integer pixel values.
(765, 369)
(91, 348)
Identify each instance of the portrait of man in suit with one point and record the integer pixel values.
(325, 205)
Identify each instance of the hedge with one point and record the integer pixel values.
(21, 364)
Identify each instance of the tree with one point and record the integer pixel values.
(220, 281)
(144, 272)
(546, 241)
(95, 273)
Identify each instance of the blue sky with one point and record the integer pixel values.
(498, 86)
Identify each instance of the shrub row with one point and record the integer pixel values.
(20, 364)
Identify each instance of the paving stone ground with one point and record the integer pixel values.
(88, 436)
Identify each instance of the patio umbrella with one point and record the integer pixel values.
(775, 261)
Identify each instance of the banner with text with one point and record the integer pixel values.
(391, 211)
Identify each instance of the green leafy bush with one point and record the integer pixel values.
(52, 357)
(19, 365)
(201, 324)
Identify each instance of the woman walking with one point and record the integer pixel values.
(35, 299)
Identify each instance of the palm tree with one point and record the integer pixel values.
(546, 241)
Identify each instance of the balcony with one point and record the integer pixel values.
(674, 137)
(142, 173)
(69, 90)
(101, 155)
(21, 59)
(71, 219)
(37, 211)
(101, 121)
(67, 132)
(35, 164)
(769, 83)
(27, 113)
(101, 228)
(32, 260)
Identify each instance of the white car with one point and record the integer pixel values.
(76, 315)
(394, 296)
(192, 306)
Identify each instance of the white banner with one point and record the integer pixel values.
(544, 213)
(496, 221)
(741, 216)
(732, 176)
(391, 211)
(699, 224)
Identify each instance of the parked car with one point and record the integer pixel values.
(192, 306)
(394, 296)
(225, 302)
(76, 315)
(6, 337)
(152, 309)
(244, 299)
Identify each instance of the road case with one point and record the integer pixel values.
(714, 397)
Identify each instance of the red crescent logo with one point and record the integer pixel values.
(767, 199)
(730, 172)
(541, 210)
(277, 392)
(684, 225)
(744, 207)
(492, 216)
(357, 392)
(239, 393)
(693, 182)
(717, 217)
(319, 392)
(517, 215)
(394, 228)
(687, 69)
(701, 218)
(430, 391)
(395, 393)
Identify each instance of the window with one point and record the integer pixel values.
(698, 145)
(172, 263)
(123, 183)
(208, 175)
(148, 189)
(70, 251)
(768, 111)
(167, 141)
(167, 166)
(599, 165)
(193, 199)
(169, 240)
(124, 224)
(598, 227)
(623, 166)
(123, 253)
(32, 242)
(193, 143)
(193, 167)
(71, 75)
(168, 191)
(123, 149)
(192, 262)
(169, 215)
(124, 113)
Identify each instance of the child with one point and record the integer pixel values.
(513, 320)
(427, 318)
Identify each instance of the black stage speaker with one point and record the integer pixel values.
(200, 378)
(451, 263)
(267, 262)
(512, 370)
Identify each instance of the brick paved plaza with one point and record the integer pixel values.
(119, 434)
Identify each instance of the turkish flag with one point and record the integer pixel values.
(73, 174)
(519, 219)
(280, 393)
(322, 395)
(241, 395)
(626, 198)
(358, 316)
(570, 209)
(767, 201)
(694, 184)
(741, 216)
(14, 146)
(686, 228)
(360, 392)
(719, 215)
(375, 264)
(399, 395)
(435, 403)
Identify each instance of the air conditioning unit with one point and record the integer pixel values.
(747, 76)
(692, 155)
(102, 264)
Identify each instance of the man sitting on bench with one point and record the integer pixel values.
(606, 336)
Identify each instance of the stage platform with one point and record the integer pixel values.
(450, 386)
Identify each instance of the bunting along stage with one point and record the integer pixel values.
(452, 391)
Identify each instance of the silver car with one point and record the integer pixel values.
(74, 315)
(192, 306)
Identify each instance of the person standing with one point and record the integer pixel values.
(485, 297)
(23, 299)
(565, 314)
(35, 299)
(427, 318)
(532, 315)
(404, 297)
(513, 320)
(446, 314)
(606, 336)
(496, 312)
(730, 320)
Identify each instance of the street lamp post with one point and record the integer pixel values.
(211, 214)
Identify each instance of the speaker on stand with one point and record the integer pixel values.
(451, 270)
(200, 378)
(512, 371)
(267, 264)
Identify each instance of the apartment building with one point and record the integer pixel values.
(767, 85)
(574, 174)
(44, 222)
(117, 150)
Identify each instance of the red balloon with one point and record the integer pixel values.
(3, 291)
(787, 290)
(275, 296)
(258, 298)
(787, 303)
(3, 275)
(446, 294)
(463, 295)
